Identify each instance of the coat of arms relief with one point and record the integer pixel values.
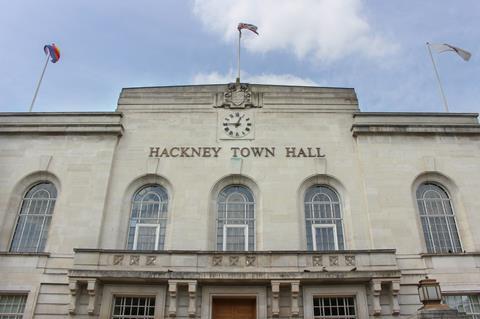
(238, 96)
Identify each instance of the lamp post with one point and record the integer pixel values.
(430, 294)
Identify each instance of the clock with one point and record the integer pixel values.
(237, 124)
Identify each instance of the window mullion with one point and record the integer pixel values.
(430, 232)
(447, 222)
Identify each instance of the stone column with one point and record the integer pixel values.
(295, 286)
(192, 298)
(275, 297)
(376, 290)
(91, 290)
(294, 291)
(73, 287)
(395, 292)
(172, 294)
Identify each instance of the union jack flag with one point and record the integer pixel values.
(247, 26)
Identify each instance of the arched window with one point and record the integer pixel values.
(323, 219)
(438, 219)
(235, 219)
(148, 219)
(34, 219)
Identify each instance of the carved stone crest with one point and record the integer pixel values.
(317, 260)
(134, 260)
(333, 260)
(250, 261)
(151, 260)
(217, 260)
(117, 259)
(350, 260)
(234, 260)
(238, 96)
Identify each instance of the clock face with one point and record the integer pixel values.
(237, 124)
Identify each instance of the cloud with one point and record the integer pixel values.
(281, 79)
(325, 30)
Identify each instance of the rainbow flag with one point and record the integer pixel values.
(53, 51)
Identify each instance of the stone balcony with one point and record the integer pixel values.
(373, 268)
(356, 265)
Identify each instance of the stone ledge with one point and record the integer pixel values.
(438, 314)
(70, 128)
(304, 277)
(473, 253)
(9, 253)
(62, 123)
(216, 252)
(390, 129)
(235, 262)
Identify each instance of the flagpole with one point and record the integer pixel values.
(39, 82)
(238, 61)
(438, 78)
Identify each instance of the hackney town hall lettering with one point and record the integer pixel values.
(211, 151)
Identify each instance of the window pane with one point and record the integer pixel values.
(12, 306)
(438, 220)
(324, 238)
(149, 206)
(133, 308)
(235, 206)
(34, 219)
(235, 237)
(146, 237)
(322, 206)
(469, 304)
(334, 308)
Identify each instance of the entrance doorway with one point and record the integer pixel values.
(234, 308)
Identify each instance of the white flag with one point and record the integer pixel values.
(443, 47)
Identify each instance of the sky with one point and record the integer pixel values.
(377, 47)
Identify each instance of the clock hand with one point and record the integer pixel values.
(239, 119)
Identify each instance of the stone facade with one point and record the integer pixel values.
(175, 137)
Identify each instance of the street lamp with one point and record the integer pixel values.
(430, 294)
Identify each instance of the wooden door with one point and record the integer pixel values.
(226, 308)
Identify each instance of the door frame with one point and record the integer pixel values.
(228, 301)
(210, 292)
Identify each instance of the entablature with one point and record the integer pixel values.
(415, 123)
(231, 266)
(62, 123)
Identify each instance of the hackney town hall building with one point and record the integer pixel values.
(239, 201)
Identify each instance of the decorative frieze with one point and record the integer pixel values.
(350, 263)
(118, 259)
(350, 260)
(134, 260)
(234, 260)
(317, 261)
(217, 260)
(333, 260)
(250, 261)
(151, 260)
